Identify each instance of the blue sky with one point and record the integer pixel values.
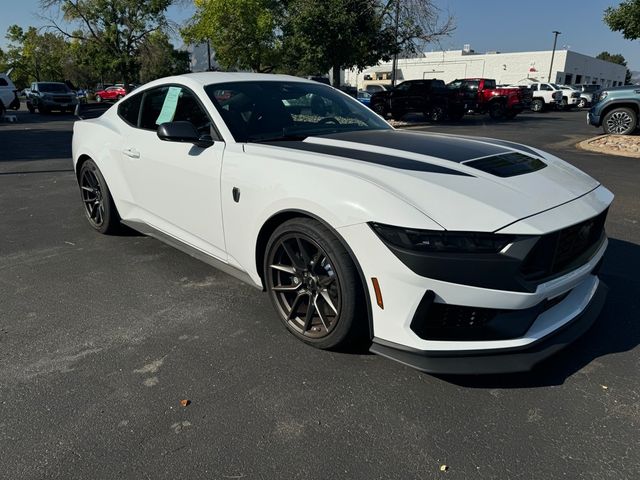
(505, 26)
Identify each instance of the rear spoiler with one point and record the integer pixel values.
(86, 111)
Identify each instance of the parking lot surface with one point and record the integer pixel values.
(102, 336)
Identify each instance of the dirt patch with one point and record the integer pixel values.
(624, 145)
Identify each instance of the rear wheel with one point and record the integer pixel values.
(436, 114)
(496, 110)
(620, 121)
(537, 105)
(312, 282)
(98, 203)
(582, 103)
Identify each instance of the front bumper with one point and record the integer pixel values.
(509, 360)
(593, 119)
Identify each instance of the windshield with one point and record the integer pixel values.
(53, 88)
(556, 87)
(280, 110)
(591, 88)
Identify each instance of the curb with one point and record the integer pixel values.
(590, 145)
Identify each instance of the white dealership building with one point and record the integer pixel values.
(506, 68)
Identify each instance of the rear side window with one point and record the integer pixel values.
(3, 82)
(151, 107)
(129, 109)
(491, 84)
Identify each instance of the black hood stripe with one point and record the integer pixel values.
(370, 157)
(454, 149)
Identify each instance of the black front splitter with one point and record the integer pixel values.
(506, 360)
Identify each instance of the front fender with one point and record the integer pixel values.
(269, 186)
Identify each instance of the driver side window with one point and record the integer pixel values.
(171, 104)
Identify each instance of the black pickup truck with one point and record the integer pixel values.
(429, 97)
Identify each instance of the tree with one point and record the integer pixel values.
(159, 59)
(243, 33)
(419, 23)
(616, 58)
(35, 56)
(117, 28)
(334, 34)
(624, 18)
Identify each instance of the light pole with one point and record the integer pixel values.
(553, 52)
(394, 64)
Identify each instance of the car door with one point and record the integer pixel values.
(176, 186)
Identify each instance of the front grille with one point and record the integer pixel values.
(61, 99)
(564, 250)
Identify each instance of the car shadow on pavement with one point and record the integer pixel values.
(34, 144)
(616, 330)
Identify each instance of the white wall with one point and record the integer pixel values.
(503, 67)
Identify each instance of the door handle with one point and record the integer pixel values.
(131, 153)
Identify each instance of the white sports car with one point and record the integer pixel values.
(454, 254)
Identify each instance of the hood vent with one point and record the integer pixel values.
(507, 164)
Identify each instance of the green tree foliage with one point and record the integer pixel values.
(624, 18)
(243, 33)
(334, 34)
(35, 55)
(159, 59)
(116, 28)
(616, 58)
(313, 36)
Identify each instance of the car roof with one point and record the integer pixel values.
(202, 79)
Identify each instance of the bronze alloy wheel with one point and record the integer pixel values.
(304, 284)
(92, 197)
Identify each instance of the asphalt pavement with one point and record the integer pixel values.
(101, 337)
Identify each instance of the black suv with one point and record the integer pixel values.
(429, 97)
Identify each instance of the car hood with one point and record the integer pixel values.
(462, 183)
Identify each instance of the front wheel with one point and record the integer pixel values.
(98, 203)
(98, 98)
(435, 115)
(582, 103)
(620, 121)
(313, 283)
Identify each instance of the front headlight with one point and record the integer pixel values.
(441, 241)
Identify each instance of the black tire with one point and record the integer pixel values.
(620, 121)
(537, 105)
(96, 197)
(582, 103)
(304, 265)
(98, 98)
(496, 110)
(31, 108)
(2, 110)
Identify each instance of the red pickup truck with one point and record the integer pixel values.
(481, 95)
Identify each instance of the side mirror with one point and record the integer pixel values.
(184, 132)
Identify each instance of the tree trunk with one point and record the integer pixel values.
(336, 75)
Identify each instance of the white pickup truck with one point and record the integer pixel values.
(545, 95)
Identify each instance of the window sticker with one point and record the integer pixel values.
(169, 106)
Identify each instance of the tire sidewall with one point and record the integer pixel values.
(111, 218)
